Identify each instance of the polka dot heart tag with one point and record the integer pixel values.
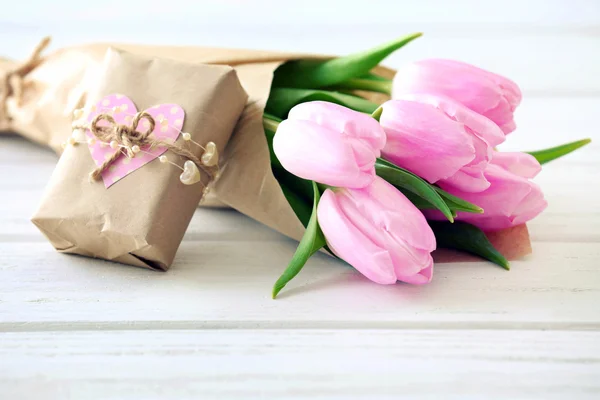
(169, 121)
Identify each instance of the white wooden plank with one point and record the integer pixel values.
(227, 284)
(299, 364)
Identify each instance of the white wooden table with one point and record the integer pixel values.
(76, 328)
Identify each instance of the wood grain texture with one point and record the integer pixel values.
(218, 283)
(299, 364)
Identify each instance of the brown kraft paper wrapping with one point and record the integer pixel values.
(59, 85)
(141, 219)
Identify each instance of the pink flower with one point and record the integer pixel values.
(440, 140)
(484, 92)
(379, 232)
(511, 199)
(328, 143)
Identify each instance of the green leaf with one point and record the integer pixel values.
(299, 205)
(281, 100)
(297, 189)
(311, 242)
(377, 113)
(374, 77)
(274, 160)
(369, 85)
(270, 124)
(321, 73)
(552, 153)
(299, 186)
(468, 238)
(404, 179)
(458, 204)
(420, 202)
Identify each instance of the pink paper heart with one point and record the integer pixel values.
(171, 115)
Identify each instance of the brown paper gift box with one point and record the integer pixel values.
(141, 219)
(60, 83)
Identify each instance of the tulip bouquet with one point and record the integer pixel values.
(376, 168)
(382, 185)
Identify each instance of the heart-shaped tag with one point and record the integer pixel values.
(169, 122)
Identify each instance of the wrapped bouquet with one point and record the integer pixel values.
(374, 166)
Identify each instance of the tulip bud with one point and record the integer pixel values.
(484, 92)
(440, 140)
(511, 199)
(328, 143)
(379, 232)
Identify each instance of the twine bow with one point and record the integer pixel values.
(12, 82)
(129, 140)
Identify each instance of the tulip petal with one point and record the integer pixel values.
(531, 206)
(521, 164)
(510, 90)
(423, 276)
(316, 153)
(378, 231)
(341, 119)
(424, 140)
(400, 217)
(484, 92)
(466, 180)
(351, 244)
(504, 194)
(510, 200)
(475, 124)
(471, 177)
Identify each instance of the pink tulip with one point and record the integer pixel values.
(328, 143)
(379, 232)
(511, 198)
(440, 140)
(484, 92)
(521, 164)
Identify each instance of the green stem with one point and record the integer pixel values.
(365, 84)
(271, 123)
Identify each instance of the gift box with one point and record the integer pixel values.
(118, 191)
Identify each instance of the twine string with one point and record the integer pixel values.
(11, 84)
(127, 137)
